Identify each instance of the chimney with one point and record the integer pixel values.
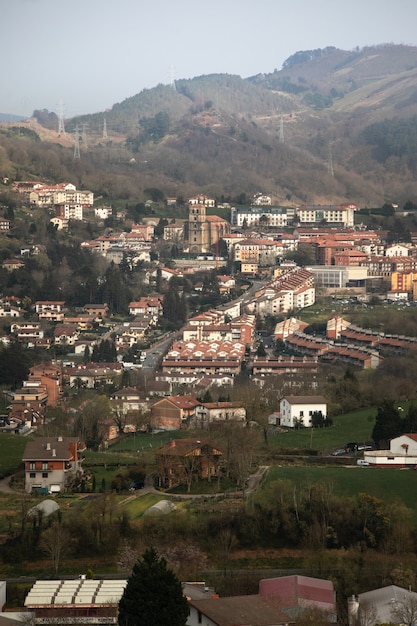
(48, 446)
(60, 438)
(54, 452)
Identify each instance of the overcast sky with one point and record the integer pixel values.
(90, 54)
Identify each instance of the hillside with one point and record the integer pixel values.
(330, 126)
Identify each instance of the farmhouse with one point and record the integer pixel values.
(183, 460)
(298, 410)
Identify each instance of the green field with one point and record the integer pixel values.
(389, 485)
(11, 452)
(356, 426)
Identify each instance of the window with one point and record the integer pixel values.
(32, 475)
(44, 465)
(44, 474)
(32, 465)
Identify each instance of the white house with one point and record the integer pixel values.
(298, 410)
(390, 604)
(402, 453)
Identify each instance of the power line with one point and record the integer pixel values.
(61, 112)
(77, 155)
(281, 130)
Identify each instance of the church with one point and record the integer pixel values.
(202, 232)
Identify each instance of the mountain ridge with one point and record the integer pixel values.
(300, 134)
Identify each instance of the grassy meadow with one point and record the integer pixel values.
(389, 485)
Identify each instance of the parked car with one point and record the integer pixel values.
(339, 452)
(362, 463)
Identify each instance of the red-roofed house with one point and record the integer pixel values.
(183, 460)
(173, 413)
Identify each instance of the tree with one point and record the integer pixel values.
(405, 611)
(153, 595)
(388, 424)
(53, 542)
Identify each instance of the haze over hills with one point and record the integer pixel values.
(330, 126)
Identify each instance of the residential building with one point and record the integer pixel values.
(52, 310)
(173, 413)
(342, 214)
(236, 611)
(387, 605)
(184, 460)
(4, 225)
(103, 212)
(51, 462)
(267, 216)
(297, 411)
(209, 414)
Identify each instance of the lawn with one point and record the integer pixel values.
(356, 426)
(388, 485)
(11, 452)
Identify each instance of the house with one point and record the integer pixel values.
(50, 463)
(402, 453)
(298, 410)
(66, 334)
(29, 402)
(183, 460)
(50, 376)
(280, 601)
(387, 605)
(97, 311)
(12, 264)
(8, 310)
(213, 413)
(93, 375)
(173, 413)
(236, 611)
(50, 310)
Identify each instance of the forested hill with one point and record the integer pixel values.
(330, 126)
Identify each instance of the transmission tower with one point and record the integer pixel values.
(84, 135)
(104, 128)
(330, 161)
(172, 77)
(77, 155)
(61, 112)
(281, 130)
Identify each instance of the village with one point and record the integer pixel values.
(185, 376)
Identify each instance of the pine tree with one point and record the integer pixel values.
(153, 595)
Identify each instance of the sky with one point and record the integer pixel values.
(90, 54)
